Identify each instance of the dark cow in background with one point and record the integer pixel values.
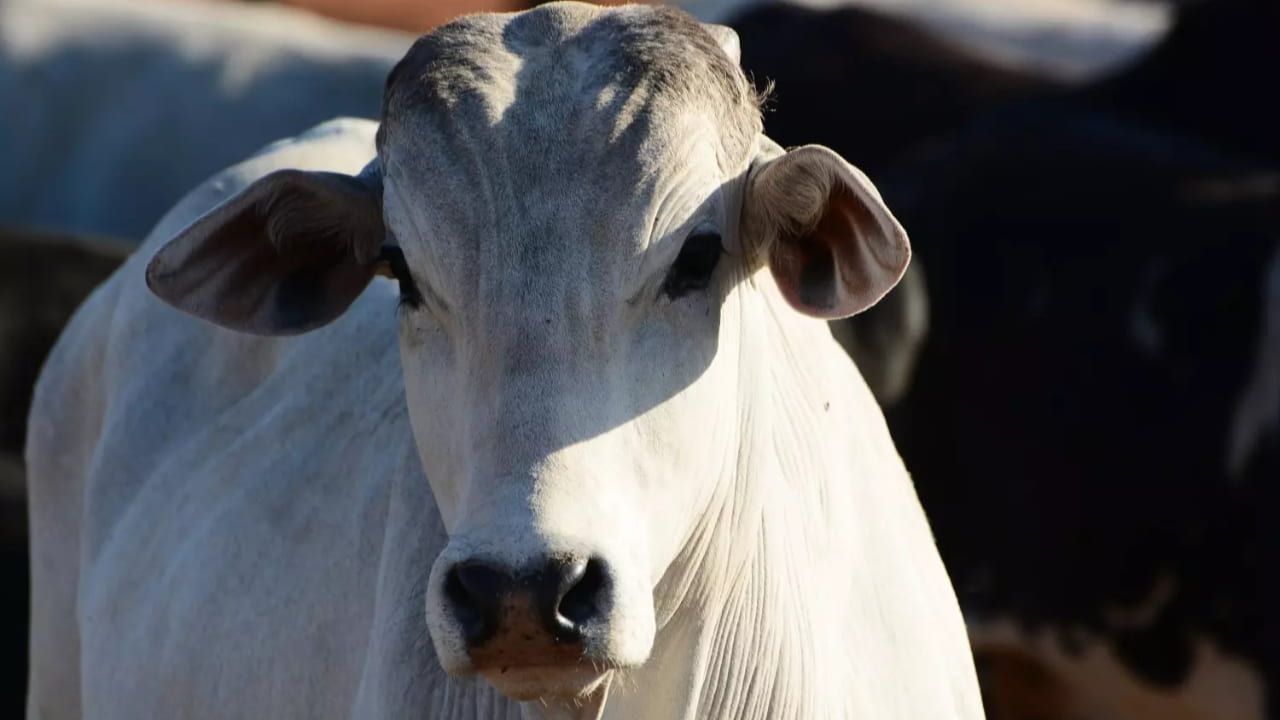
(1099, 304)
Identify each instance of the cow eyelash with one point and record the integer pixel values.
(410, 297)
(694, 266)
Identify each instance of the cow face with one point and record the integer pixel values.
(575, 202)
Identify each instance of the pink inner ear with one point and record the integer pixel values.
(845, 264)
(804, 269)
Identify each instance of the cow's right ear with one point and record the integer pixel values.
(831, 243)
(288, 254)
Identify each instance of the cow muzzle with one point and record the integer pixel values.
(529, 630)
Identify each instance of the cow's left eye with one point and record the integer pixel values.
(694, 266)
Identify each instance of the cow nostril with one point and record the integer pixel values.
(474, 592)
(582, 592)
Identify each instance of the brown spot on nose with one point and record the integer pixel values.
(521, 639)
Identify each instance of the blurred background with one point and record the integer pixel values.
(1082, 368)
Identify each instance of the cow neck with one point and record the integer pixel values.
(740, 641)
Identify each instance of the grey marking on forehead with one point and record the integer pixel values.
(563, 62)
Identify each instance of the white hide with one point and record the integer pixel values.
(226, 525)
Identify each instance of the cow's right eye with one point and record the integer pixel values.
(394, 258)
(694, 266)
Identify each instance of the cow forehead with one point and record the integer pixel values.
(523, 152)
(566, 84)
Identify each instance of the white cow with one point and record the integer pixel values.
(597, 455)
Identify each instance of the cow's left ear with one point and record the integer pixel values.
(286, 255)
(831, 243)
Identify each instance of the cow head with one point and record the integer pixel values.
(577, 204)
